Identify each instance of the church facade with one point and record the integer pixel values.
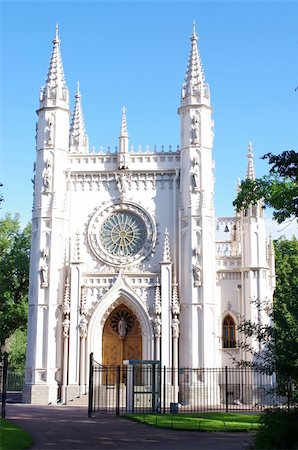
(125, 262)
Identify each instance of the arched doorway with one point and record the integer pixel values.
(122, 337)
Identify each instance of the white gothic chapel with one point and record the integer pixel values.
(124, 261)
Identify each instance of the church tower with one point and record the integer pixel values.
(196, 222)
(48, 232)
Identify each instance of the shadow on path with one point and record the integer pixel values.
(69, 427)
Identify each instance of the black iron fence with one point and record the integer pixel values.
(143, 389)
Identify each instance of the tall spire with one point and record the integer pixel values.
(250, 164)
(78, 137)
(55, 87)
(194, 84)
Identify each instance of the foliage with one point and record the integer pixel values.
(278, 190)
(221, 422)
(17, 351)
(13, 437)
(279, 338)
(14, 275)
(278, 430)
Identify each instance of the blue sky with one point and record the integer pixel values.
(135, 54)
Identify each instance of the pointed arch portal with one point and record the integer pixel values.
(121, 338)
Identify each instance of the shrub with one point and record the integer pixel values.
(278, 430)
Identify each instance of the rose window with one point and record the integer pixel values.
(123, 234)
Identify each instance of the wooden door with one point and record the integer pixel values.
(122, 337)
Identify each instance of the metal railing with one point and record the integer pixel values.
(183, 390)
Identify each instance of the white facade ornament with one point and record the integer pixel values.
(121, 180)
(197, 274)
(66, 325)
(175, 327)
(175, 300)
(84, 308)
(83, 327)
(196, 176)
(157, 301)
(195, 128)
(44, 282)
(47, 179)
(78, 138)
(166, 248)
(66, 300)
(157, 327)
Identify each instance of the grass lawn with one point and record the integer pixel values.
(200, 422)
(13, 437)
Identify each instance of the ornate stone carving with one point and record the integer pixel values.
(66, 325)
(195, 128)
(175, 327)
(197, 274)
(196, 176)
(44, 282)
(83, 327)
(157, 327)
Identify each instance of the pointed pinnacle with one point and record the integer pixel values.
(123, 131)
(250, 165)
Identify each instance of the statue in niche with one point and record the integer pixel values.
(83, 327)
(121, 182)
(49, 132)
(157, 327)
(66, 325)
(196, 176)
(197, 274)
(44, 276)
(175, 327)
(195, 129)
(47, 179)
(122, 327)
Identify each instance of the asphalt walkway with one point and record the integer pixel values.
(69, 427)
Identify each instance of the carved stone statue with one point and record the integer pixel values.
(47, 179)
(66, 325)
(44, 276)
(83, 327)
(122, 327)
(175, 327)
(121, 182)
(157, 327)
(195, 129)
(196, 176)
(49, 132)
(197, 269)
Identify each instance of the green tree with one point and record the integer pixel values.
(14, 275)
(278, 189)
(279, 338)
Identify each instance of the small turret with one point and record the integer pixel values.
(123, 154)
(78, 139)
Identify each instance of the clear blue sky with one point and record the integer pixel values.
(135, 54)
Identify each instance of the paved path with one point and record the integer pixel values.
(69, 427)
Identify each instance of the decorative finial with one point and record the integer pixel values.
(123, 131)
(78, 94)
(57, 31)
(194, 27)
